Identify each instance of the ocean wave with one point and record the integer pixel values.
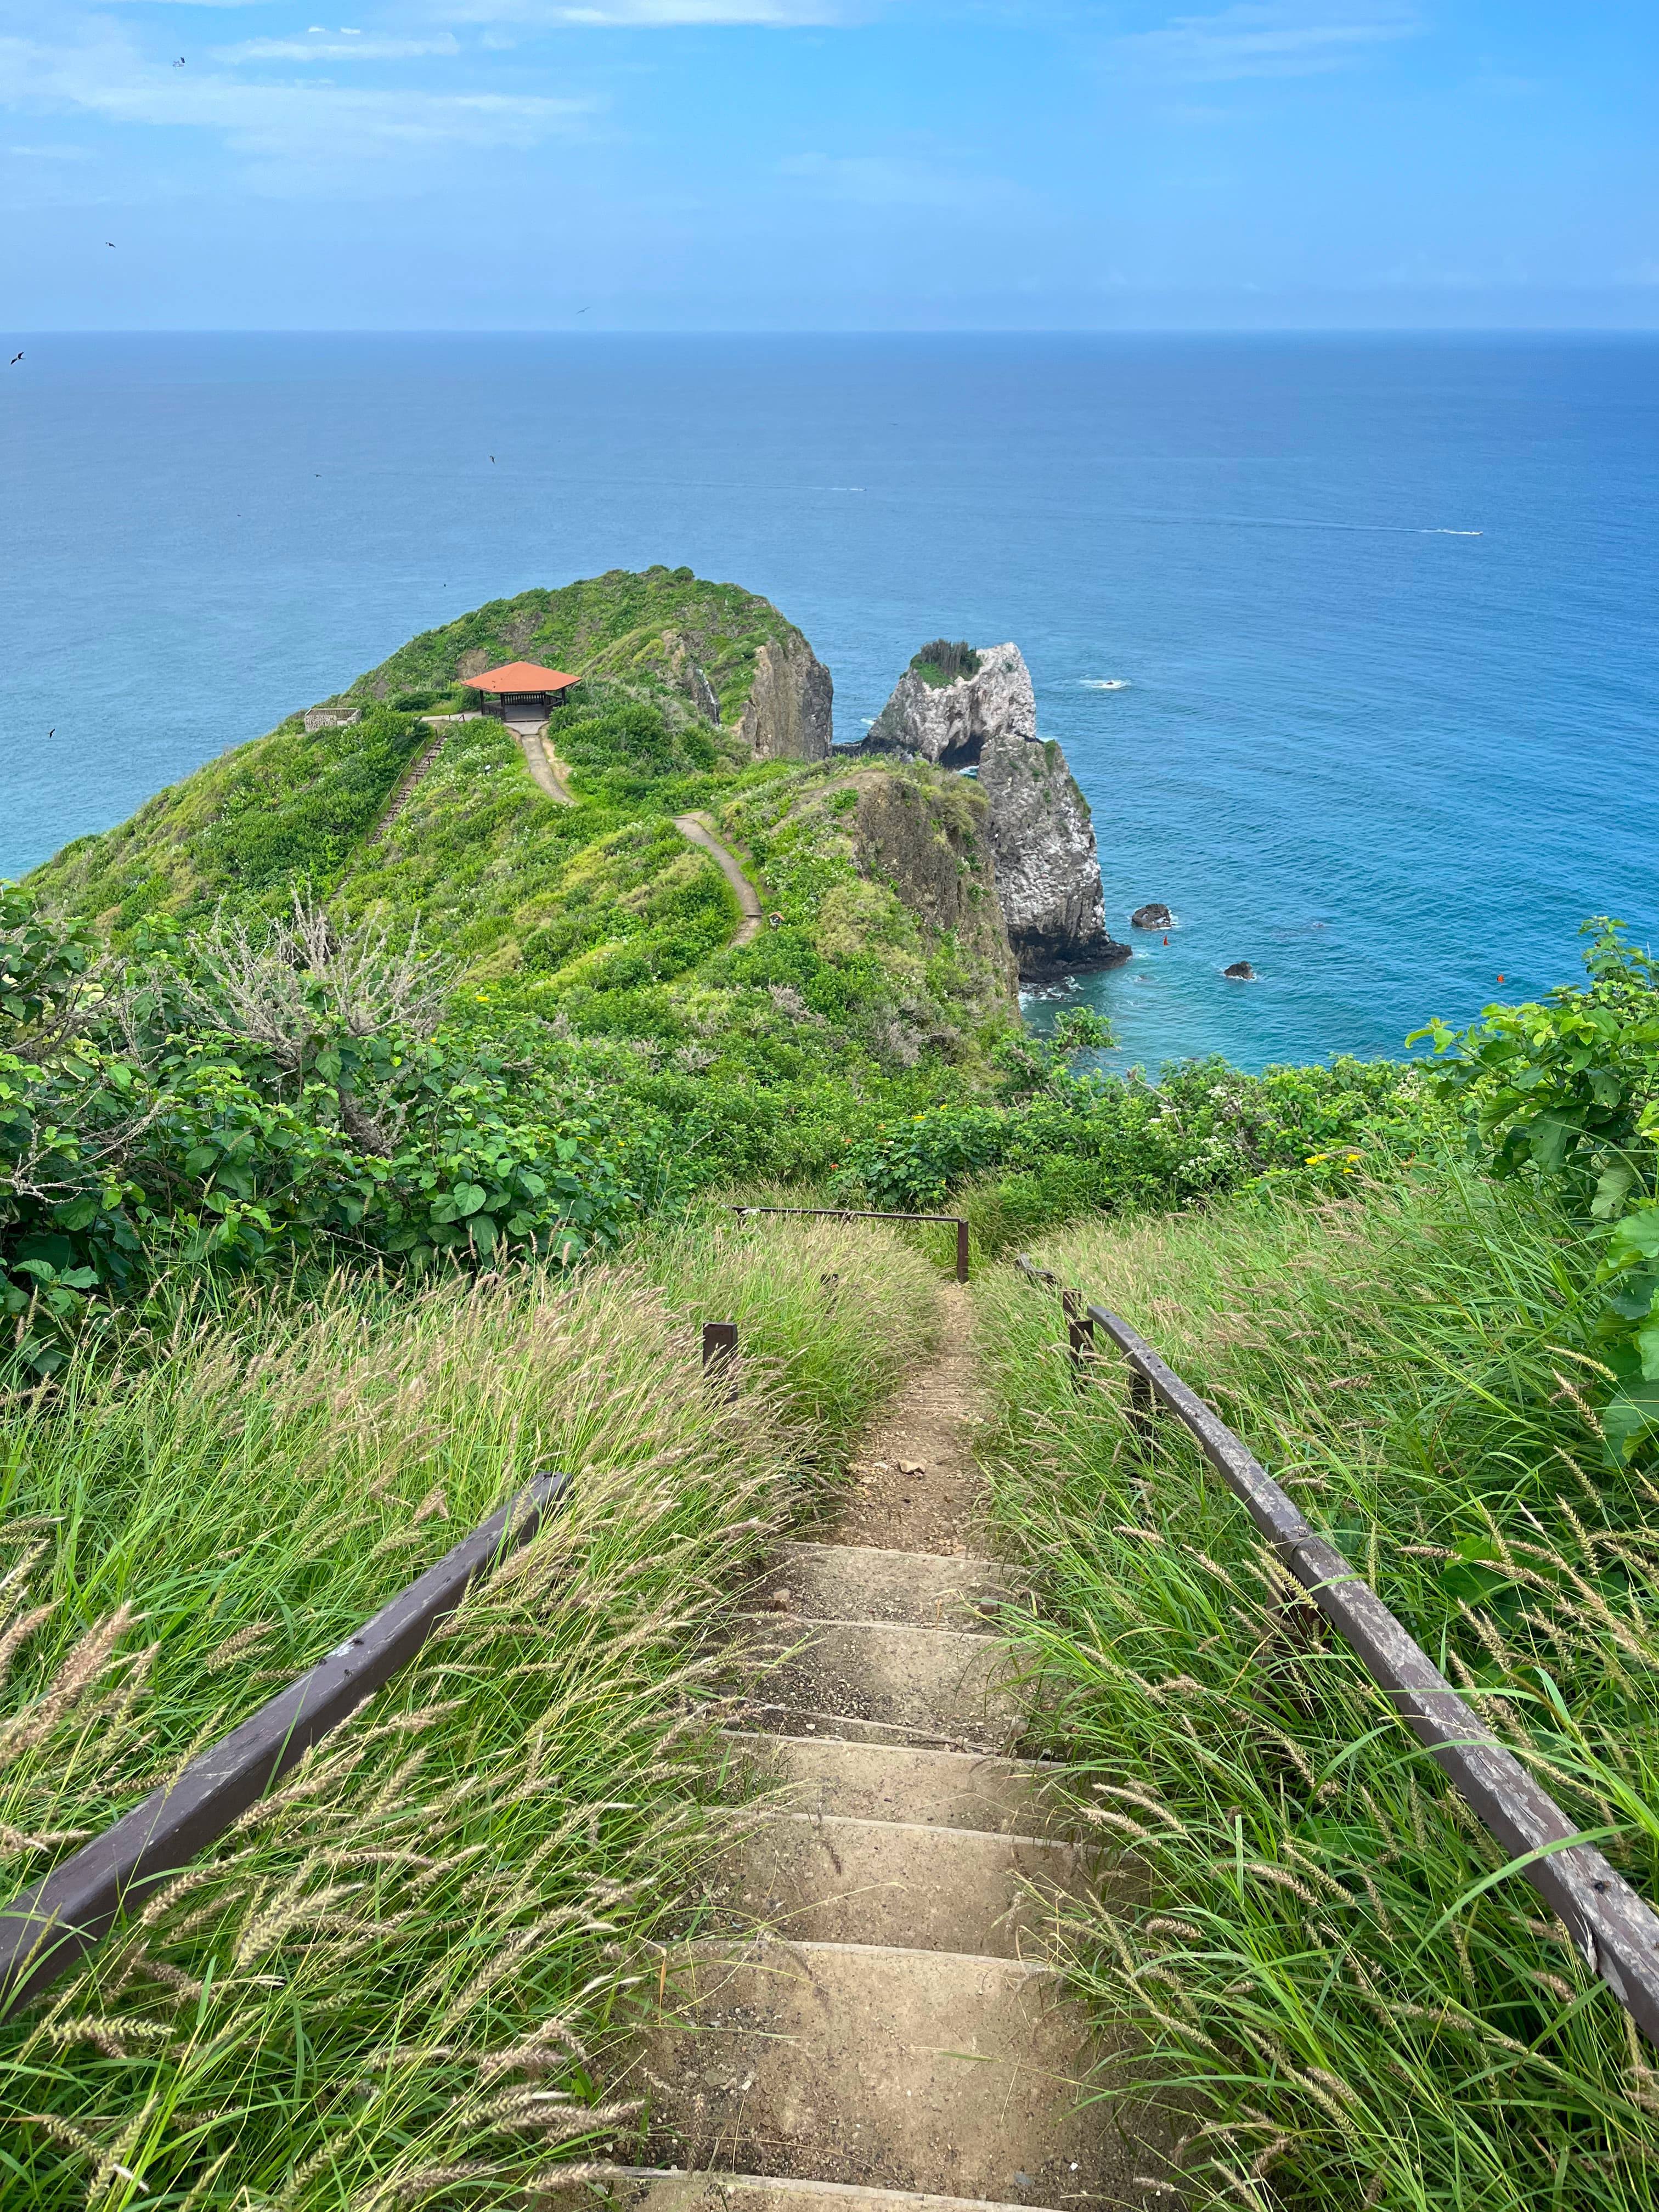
(1451, 533)
(1103, 683)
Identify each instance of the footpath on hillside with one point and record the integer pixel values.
(874, 2015)
(549, 772)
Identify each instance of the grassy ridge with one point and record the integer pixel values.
(616, 625)
(1316, 1967)
(398, 1970)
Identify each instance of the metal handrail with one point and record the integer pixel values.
(46, 1929)
(864, 1213)
(1615, 1930)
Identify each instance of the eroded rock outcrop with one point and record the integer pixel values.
(687, 675)
(1042, 841)
(787, 714)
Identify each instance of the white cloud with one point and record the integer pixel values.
(299, 136)
(51, 152)
(326, 49)
(891, 180)
(1252, 40)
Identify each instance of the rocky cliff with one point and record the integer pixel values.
(1042, 841)
(787, 715)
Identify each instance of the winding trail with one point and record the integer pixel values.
(700, 831)
(549, 772)
(868, 2020)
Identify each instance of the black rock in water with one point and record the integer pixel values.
(1241, 971)
(1155, 915)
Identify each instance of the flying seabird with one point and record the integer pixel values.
(13, 362)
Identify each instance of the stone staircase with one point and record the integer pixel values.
(868, 2018)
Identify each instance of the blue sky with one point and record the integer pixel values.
(827, 164)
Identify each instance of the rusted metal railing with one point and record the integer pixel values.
(1615, 1930)
(45, 1930)
(864, 1213)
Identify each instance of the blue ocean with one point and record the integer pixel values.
(1353, 643)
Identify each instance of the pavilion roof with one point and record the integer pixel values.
(519, 676)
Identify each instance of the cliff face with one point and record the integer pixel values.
(1042, 841)
(787, 714)
(929, 842)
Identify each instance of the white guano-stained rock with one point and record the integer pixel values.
(1042, 841)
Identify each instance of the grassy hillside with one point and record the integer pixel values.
(1401, 2028)
(266, 1091)
(305, 801)
(600, 916)
(413, 1956)
(620, 625)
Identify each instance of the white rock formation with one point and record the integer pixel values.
(1042, 841)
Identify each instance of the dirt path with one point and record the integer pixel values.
(539, 759)
(875, 2026)
(700, 831)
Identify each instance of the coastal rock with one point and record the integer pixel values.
(1241, 971)
(689, 675)
(787, 714)
(1153, 915)
(1042, 841)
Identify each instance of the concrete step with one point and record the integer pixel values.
(898, 1884)
(830, 1776)
(851, 1582)
(906, 2069)
(941, 1683)
(648, 2189)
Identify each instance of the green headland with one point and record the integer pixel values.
(374, 1104)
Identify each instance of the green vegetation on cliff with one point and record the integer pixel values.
(316, 1080)
(239, 1078)
(633, 627)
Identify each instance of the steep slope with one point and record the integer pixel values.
(728, 653)
(980, 713)
(722, 677)
(883, 946)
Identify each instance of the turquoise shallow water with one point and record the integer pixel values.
(1385, 610)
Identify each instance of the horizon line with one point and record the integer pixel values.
(792, 330)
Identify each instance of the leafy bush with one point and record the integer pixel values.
(1107, 1143)
(1565, 1093)
(257, 1103)
(942, 662)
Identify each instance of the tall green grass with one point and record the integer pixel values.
(394, 1981)
(1324, 1972)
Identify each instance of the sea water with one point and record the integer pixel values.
(1351, 642)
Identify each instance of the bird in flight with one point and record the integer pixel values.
(13, 362)
(180, 63)
(109, 241)
(492, 460)
(52, 732)
(581, 310)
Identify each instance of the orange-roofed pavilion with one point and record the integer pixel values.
(519, 691)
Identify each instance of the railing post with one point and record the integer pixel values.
(962, 1251)
(719, 1349)
(1142, 1408)
(1079, 1330)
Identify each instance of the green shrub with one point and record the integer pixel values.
(941, 662)
(1565, 1093)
